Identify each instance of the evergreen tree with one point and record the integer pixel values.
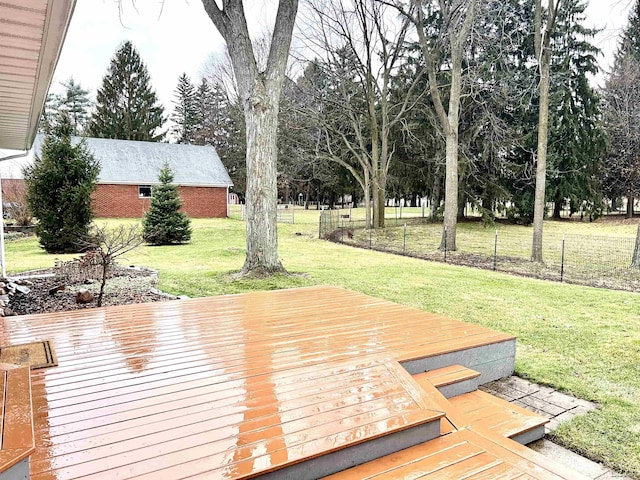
(59, 187)
(127, 107)
(186, 112)
(75, 100)
(49, 112)
(577, 140)
(164, 224)
(204, 113)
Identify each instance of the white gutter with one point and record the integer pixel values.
(2, 255)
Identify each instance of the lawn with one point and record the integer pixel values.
(582, 340)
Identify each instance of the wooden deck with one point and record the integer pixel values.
(232, 386)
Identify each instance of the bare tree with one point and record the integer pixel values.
(456, 23)
(110, 244)
(259, 92)
(360, 46)
(543, 31)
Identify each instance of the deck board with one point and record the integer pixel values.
(184, 379)
(463, 454)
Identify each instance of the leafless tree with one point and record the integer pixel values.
(361, 43)
(259, 91)
(456, 24)
(543, 32)
(109, 244)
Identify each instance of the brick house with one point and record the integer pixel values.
(129, 170)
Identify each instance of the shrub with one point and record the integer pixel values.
(164, 223)
(59, 187)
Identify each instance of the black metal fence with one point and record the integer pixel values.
(603, 261)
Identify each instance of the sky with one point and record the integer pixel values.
(176, 36)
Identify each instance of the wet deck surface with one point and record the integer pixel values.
(219, 386)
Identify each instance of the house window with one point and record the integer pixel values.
(144, 191)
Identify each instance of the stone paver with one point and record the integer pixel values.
(558, 408)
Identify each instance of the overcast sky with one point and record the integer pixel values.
(177, 36)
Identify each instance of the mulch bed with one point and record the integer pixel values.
(126, 286)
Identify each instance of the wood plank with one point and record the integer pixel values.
(17, 419)
(442, 377)
(484, 411)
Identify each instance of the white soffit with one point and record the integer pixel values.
(31, 36)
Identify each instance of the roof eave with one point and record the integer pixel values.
(58, 17)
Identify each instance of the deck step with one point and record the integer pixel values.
(451, 381)
(461, 454)
(484, 411)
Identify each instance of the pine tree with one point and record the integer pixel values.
(127, 107)
(164, 224)
(186, 112)
(49, 112)
(577, 140)
(59, 186)
(205, 107)
(75, 100)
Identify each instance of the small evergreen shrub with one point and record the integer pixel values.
(59, 186)
(164, 223)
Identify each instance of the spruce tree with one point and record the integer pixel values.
(164, 224)
(186, 112)
(59, 186)
(75, 100)
(127, 107)
(205, 106)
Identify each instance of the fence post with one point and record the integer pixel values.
(395, 209)
(293, 213)
(495, 252)
(404, 240)
(320, 227)
(370, 231)
(445, 244)
(342, 230)
(422, 205)
(562, 262)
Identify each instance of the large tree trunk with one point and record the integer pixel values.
(541, 167)
(379, 199)
(557, 208)
(451, 175)
(259, 92)
(262, 192)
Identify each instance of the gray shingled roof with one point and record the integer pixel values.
(131, 162)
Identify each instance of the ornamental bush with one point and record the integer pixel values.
(164, 223)
(59, 186)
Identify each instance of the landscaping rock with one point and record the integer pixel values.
(84, 296)
(54, 290)
(22, 289)
(7, 312)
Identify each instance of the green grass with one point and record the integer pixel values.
(584, 341)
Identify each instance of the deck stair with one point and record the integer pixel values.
(469, 407)
(482, 437)
(451, 381)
